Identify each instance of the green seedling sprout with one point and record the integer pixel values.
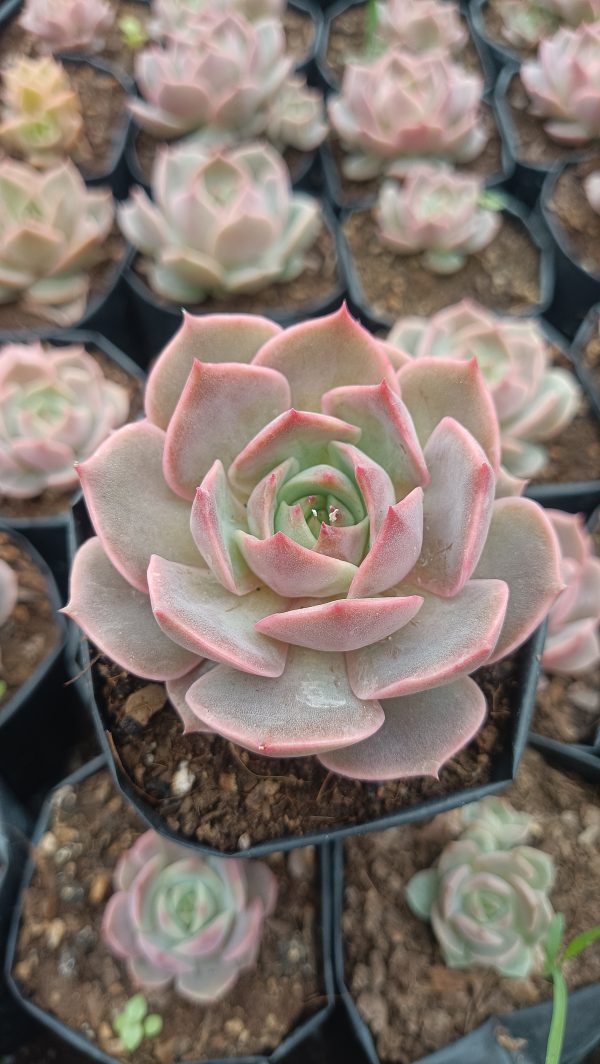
(134, 1024)
(556, 956)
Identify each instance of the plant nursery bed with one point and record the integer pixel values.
(413, 1004)
(571, 211)
(504, 276)
(532, 145)
(62, 965)
(31, 631)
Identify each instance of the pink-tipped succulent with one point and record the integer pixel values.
(9, 591)
(534, 401)
(421, 26)
(563, 84)
(437, 213)
(184, 919)
(56, 407)
(296, 117)
(183, 19)
(220, 222)
(41, 114)
(68, 25)
(573, 642)
(403, 108)
(494, 824)
(591, 187)
(527, 22)
(332, 543)
(223, 81)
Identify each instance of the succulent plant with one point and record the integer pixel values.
(56, 407)
(487, 909)
(9, 589)
(573, 642)
(182, 918)
(223, 80)
(403, 108)
(181, 19)
(534, 401)
(494, 824)
(296, 117)
(333, 542)
(52, 231)
(591, 187)
(420, 26)
(220, 222)
(134, 1023)
(438, 212)
(527, 22)
(68, 25)
(41, 115)
(562, 85)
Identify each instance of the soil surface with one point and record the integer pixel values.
(590, 353)
(411, 1002)
(532, 146)
(488, 165)
(503, 276)
(347, 40)
(578, 226)
(318, 281)
(575, 453)
(204, 787)
(31, 632)
(15, 318)
(63, 965)
(56, 501)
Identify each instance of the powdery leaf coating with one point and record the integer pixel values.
(534, 401)
(68, 25)
(345, 594)
(52, 231)
(9, 590)
(41, 114)
(573, 641)
(403, 108)
(562, 84)
(494, 824)
(436, 211)
(527, 22)
(178, 917)
(181, 19)
(56, 407)
(220, 222)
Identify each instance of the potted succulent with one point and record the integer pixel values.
(585, 353)
(512, 31)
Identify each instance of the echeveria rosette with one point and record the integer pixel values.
(420, 26)
(573, 640)
(180, 19)
(487, 909)
(68, 25)
(563, 85)
(9, 591)
(494, 824)
(534, 401)
(333, 543)
(56, 408)
(527, 22)
(184, 919)
(41, 114)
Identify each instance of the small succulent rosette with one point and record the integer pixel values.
(573, 641)
(562, 86)
(41, 118)
(525, 23)
(184, 19)
(178, 918)
(68, 25)
(420, 26)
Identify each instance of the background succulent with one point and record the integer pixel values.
(592, 190)
(178, 19)
(335, 532)
(563, 86)
(220, 222)
(52, 231)
(401, 108)
(494, 824)
(296, 117)
(420, 26)
(68, 25)
(527, 22)
(9, 589)
(438, 212)
(573, 643)
(179, 917)
(41, 115)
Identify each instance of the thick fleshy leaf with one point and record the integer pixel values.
(222, 407)
(198, 613)
(119, 619)
(117, 927)
(262, 503)
(309, 709)
(208, 983)
(346, 624)
(457, 509)
(324, 353)
(347, 542)
(216, 516)
(574, 649)
(132, 523)
(521, 549)
(292, 570)
(420, 733)
(395, 550)
(375, 484)
(177, 690)
(209, 338)
(447, 638)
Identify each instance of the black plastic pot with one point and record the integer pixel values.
(308, 66)
(157, 322)
(500, 55)
(537, 233)
(15, 1027)
(295, 1040)
(8, 8)
(582, 338)
(583, 1016)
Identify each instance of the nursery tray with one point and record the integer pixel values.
(15, 1027)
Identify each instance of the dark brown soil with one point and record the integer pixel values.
(45, 1050)
(411, 1002)
(488, 164)
(318, 281)
(53, 500)
(494, 25)
(299, 33)
(236, 799)
(65, 968)
(532, 145)
(347, 40)
(590, 354)
(577, 224)
(14, 318)
(504, 276)
(575, 454)
(31, 631)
